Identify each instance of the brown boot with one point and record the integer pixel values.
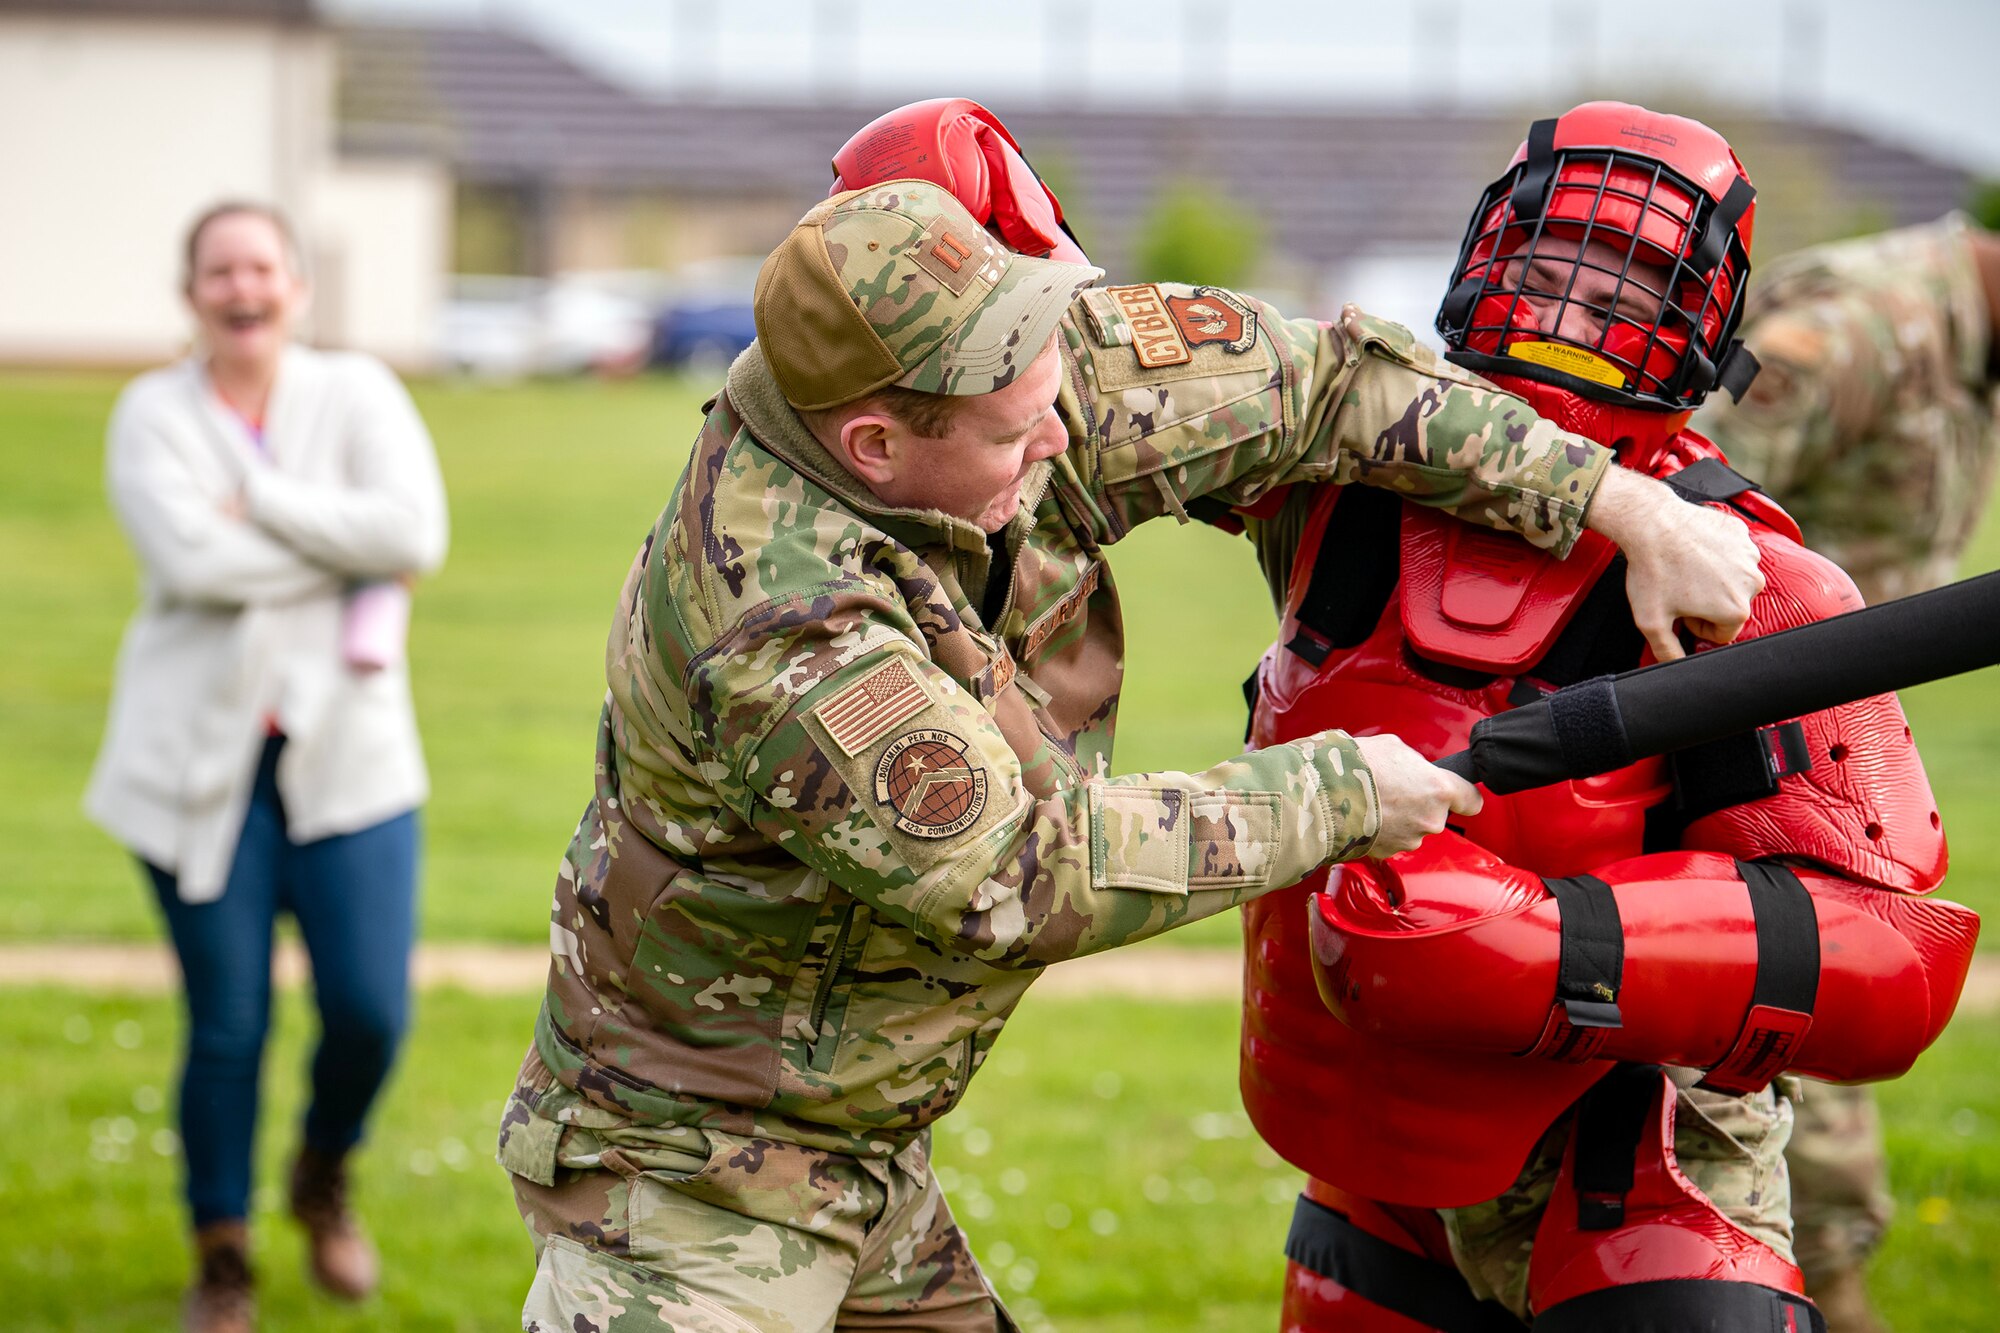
(221, 1299)
(1842, 1297)
(339, 1254)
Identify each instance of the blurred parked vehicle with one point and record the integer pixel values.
(577, 323)
(489, 327)
(705, 321)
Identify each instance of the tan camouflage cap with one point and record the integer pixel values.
(897, 284)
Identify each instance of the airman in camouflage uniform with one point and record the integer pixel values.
(1873, 423)
(853, 786)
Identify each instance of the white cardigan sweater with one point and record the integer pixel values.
(240, 619)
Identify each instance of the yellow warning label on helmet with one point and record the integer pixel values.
(1571, 360)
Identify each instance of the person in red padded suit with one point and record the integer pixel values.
(1529, 1065)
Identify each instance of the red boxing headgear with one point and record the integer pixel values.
(959, 144)
(1652, 214)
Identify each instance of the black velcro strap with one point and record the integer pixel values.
(1721, 225)
(1732, 771)
(1588, 727)
(1593, 951)
(1432, 1294)
(1354, 573)
(1709, 481)
(1780, 1013)
(1787, 937)
(1610, 1119)
(1456, 310)
(1531, 192)
(1738, 369)
(1683, 1305)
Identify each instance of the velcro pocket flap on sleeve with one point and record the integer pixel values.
(1235, 839)
(1139, 838)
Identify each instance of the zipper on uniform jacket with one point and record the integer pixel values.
(836, 962)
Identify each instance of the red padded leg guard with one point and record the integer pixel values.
(1356, 1266)
(1654, 1254)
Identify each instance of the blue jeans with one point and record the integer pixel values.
(354, 897)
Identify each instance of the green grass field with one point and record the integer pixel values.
(1102, 1164)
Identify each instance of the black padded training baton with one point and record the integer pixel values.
(1595, 726)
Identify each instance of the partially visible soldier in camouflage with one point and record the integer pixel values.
(853, 786)
(1873, 423)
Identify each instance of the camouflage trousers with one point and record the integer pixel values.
(1840, 1180)
(1731, 1148)
(666, 1227)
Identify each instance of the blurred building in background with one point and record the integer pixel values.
(121, 119)
(601, 225)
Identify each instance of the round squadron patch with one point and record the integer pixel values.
(926, 779)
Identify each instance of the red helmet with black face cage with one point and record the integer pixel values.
(1609, 263)
(959, 144)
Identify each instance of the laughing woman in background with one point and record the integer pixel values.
(262, 753)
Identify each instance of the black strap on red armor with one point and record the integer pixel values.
(1787, 985)
(1531, 192)
(1592, 967)
(1737, 370)
(1719, 227)
(1683, 1305)
(1732, 771)
(1610, 1119)
(1323, 1241)
(1353, 578)
(1709, 481)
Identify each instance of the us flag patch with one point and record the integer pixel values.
(889, 694)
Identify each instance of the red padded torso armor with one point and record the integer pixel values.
(1489, 603)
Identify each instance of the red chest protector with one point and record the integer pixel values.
(1464, 624)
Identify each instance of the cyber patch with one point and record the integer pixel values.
(1212, 315)
(1155, 340)
(926, 780)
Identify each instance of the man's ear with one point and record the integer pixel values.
(871, 446)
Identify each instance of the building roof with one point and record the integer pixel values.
(1327, 183)
(280, 11)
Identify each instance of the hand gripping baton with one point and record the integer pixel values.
(1598, 725)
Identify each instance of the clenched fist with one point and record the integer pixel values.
(1417, 796)
(1686, 562)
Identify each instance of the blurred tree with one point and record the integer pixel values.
(1196, 234)
(1984, 203)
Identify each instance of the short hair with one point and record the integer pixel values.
(930, 415)
(228, 208)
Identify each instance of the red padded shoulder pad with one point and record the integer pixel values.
(1690, 447)
(1487, 600)
(1864, 808)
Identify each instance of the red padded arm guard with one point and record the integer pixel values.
(1448, 946)
(1864, 807)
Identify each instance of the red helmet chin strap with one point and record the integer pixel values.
(1639, 435)
(958, 144)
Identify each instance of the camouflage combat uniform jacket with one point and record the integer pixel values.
(842, 820)
(1873, 419)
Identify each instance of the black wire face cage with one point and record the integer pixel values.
(1669, 345)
